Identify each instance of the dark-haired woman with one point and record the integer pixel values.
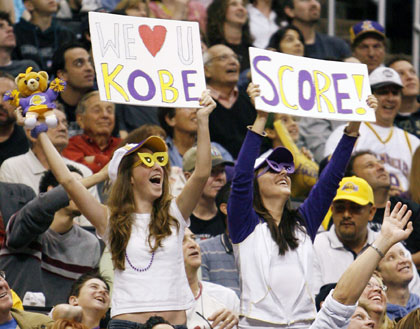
(288, 40)
(273, 242)
(227, 23)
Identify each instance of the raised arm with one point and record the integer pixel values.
(338, 308)
(35, 218)
(319, 200)
(242, 217)
(355, 278)
(192, 190)
(91, 208)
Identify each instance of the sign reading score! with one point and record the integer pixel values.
(311, 88)
(146, 61)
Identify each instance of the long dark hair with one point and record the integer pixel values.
(216, 17)
(283, 234)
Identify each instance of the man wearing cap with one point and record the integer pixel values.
(394, 146)
(368, 43)
(206, 221)
(408, 117)
(351, 210)
(366, 165)
(305, 16)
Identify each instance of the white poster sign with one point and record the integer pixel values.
(311, 88)
(146, 61)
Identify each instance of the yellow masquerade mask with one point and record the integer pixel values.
(149, 160)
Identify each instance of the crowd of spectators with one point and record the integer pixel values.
(218, 217)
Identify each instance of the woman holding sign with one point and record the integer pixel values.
(142, 225)
(273, 242)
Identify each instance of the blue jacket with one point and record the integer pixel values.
(396, 312)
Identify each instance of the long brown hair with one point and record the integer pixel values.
(283, 234)
(414, 188)
(122, 207)
(410, 321)
(216, 17)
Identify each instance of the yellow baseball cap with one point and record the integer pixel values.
(355, 189)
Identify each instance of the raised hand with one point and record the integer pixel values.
(208, 104)
(372, 102)
(253, 91)
(20, 119)
(352, 128)
(394, 227)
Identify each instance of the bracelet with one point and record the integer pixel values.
(377, 250)
(349, 134)
(263, 134)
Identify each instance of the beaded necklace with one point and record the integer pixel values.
(140, 269)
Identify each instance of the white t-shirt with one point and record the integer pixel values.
(152, 282)
(211, 298)
(394, 146)
(261, 27)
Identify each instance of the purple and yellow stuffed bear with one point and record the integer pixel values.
(36, 100)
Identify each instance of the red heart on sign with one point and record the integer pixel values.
(153, 39)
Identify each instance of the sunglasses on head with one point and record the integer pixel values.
(149, 160)
(275, 167)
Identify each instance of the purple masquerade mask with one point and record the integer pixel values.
(278, 167)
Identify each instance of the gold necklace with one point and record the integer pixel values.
(377, 135)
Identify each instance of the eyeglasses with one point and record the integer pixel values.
(224, 58)
(3, 275)
(149, 160)
(383, 287)
(275, 167)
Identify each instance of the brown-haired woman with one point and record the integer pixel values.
(227, 23)
(410, 321)
(143, 226)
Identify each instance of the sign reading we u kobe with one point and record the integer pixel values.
(146, 61)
